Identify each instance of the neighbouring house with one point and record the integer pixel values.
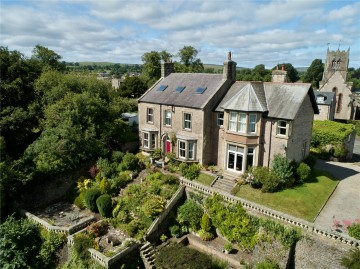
(335, 80)
(212, 119)
(326, 105)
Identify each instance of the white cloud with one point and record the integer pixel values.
(267, 32)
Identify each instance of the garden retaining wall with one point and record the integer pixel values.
(250, 206)
(152, 232)
(58, 229)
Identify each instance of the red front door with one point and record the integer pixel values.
(168, 146)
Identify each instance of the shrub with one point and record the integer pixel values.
(117, 156)
(352, 261)
(129, 162)
(153, 206)
(123, 216)
(156, 154)
(206, 236)
(228, 246)
(171, 157)
(183, 168)
(193, 171)
(282, 168)
(270, 182)
(354, 230)
(190, 214)
(176, 231)
(205, 223)
(90, 197)
(340, 151)
(303, 172)
(98, 229)
(93, 171)
(104, 205)
(249, 177)
(310, 160)
(268, 264)
(82, 242)
(105, 167)
(105, 186)
(79, 200)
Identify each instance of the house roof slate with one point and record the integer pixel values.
(328, 97)
(248, 97)
(280, 100)
(188, 97)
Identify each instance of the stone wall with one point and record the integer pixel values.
(152, 232)
(250, 206)
(57, 229)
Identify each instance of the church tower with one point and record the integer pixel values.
(335, 80)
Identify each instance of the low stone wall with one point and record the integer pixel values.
(274, 214)
(57, 229)
(198, 245)
(107, 262)
(169, 206)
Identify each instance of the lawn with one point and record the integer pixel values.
(303, 201)
(205, 179)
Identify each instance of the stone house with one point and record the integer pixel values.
(326, 105)
(335, 80)
(212, 119)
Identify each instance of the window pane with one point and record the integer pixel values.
(167, 117)
(231, 160)
(250, 157)
(240, 150)
(232, 148)
(182, 152)
(281, 130)
(252, 123)
(191, 150)
(187, 121)
(146, 140)
(232, 121)
(242, 122)
(153, 140)
(239, 164)
(220, 119)
(150, 114)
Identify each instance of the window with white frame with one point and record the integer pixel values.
(186, 149)
(232, 121)
(220, 119)
(182, 149)
(187, 121)
(167, 117)
(146, 140)
(239, 158)
(282, 128)
(242, 122)
(149, 140)
(150, 115)
(252, 123)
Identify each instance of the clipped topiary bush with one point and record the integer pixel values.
(303, 172)
(205, 223)
(269, 181)
(205, 236)
(104, 205)
(310, 160)
(90, 197)
(79, 200)
(176, 231)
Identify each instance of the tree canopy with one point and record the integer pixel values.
(258, 73)
(314, 73)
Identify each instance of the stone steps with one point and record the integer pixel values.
(224, 184)
(147, 254)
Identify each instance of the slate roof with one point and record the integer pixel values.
(328, 97)
(188, 97)
(280, 100)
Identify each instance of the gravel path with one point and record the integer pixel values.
(344, 203)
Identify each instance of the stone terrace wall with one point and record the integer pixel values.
(169, 206)
(57, 229)
(274, 214)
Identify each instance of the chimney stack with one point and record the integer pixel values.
(229, 70)
(279, 75)
(167, 68)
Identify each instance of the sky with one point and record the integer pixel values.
(256, 32)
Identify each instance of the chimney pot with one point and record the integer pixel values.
(283, 67)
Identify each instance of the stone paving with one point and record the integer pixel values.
(343, 207)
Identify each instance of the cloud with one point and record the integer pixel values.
(268, 32)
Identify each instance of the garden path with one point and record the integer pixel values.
(343, 206)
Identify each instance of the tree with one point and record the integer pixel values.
(48, 58)
(132, 87)
(151, 66)
(190, 214)
(188, 60)
(292, 73)
(20, 242)
(314, 73)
